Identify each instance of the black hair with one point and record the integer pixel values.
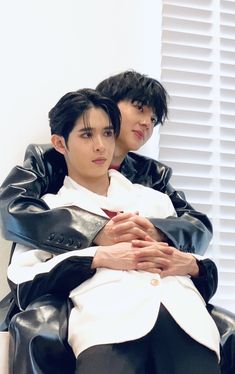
(73, 105)
(133, 86)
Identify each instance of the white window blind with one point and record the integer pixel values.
(198, 140)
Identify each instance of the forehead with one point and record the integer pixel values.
(94, 117)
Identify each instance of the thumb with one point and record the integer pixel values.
(149, 239)
(165, 273)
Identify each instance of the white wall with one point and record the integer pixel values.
(51, 47)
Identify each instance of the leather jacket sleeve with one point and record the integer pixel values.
(190, 231)
(27, 219)
(30, 277)
(207, 281)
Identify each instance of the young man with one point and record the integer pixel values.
(126, 308)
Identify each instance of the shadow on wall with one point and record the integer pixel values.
(5, 248)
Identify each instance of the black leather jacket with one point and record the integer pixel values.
(26, 219)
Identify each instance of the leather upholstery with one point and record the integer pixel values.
(39, 338)
(225, 322)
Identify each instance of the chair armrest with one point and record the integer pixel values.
(224, 319)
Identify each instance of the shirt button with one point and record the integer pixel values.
(154, 282)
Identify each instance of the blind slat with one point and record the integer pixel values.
(198, 140)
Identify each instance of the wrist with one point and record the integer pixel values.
(99, 237)
(159, 236)
(195, 270)
(97, 260)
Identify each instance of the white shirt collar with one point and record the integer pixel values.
(73, 194)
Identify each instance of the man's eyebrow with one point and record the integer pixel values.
(85, 129)
(89, 129)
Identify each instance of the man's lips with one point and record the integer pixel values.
(139, 134)
(99, 161)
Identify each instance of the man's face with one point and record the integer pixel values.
(136, 127)
(89, 150)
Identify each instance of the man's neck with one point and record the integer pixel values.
(118, 157)
(97, 185)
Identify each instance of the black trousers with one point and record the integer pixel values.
(166, 349)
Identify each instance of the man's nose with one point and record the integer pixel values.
(146, 121)
(98, 144)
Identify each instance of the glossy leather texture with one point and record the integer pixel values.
(38, 338)
(225, 322)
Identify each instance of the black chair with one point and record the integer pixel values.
(225, 321)
(42, 329)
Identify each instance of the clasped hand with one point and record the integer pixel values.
(131, 242)
(125, 227)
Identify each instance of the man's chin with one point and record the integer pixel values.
(135, 147)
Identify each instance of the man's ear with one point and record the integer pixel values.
(59, 143)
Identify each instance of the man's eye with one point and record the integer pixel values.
(86, 135)
(154, 121)
(109, 132)
(138, 106)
